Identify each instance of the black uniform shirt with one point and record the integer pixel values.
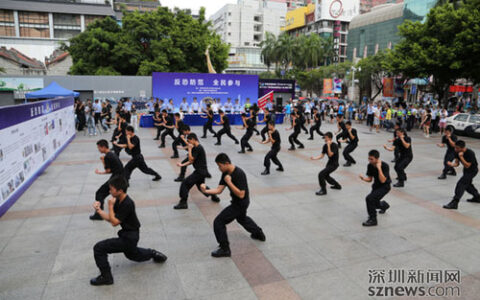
(404, 152)
(125, 212)
(469, 156)
(168, 121)
(355, 136)
(113, 163)
(180, 126)
(200, 159)
(226, 122)
(276, 137)
(372, 171)
(135, 151)
(445, 141)
(250, 125)
(239, 179)
(332, 161)
(318, 118)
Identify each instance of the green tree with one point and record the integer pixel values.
(268, 54)
(371, 70)
(159, 41)
(285, 50)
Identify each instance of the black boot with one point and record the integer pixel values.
(321, 192)
(336, 187)
(370, 222)
(215, 198)
(96, 217)
(280, 169)
(102, 279)
(218, 144)
(222, 252)
(158, 257)
(452, 172)
(474, 199)
(258, 236)
(348, 164)
(181, 205)
(443, 176)
(301, 146)
(291, 149)
(179, 179)
(399, 184)
(174, 156)
(157, 178)
(266, 172)
(451, 205)
(384, 208)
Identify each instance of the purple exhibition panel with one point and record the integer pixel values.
(31, 137)
(284, 86)
(176, 86)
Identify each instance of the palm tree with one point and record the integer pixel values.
(313, 51)
(268, 49)
(328, 51)
(285, 50)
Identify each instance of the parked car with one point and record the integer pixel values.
(465, 124)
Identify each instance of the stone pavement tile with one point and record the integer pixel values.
(83, 240)
(78, 289)
(32, 245)
(330, 284)
(58, 201)
(42, 225)
(9, 227)
(432, 231)
(279, 290)
(242, 294)
(26, 276)
(418, 259)
(383, 242)
(210, 277)
(342, 251)
(460, 253)
(279, 235)
(296, 260)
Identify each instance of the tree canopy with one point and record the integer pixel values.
(157, 41)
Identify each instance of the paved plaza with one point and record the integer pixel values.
(316, 247)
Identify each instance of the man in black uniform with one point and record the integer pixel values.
(301, 118)
(158, 123)
(169, 127)
(184, 143)
(178, 140)
(121, 211)
(253, 117)
(267, 117)
(248, 125)
(119, 135)
(378, 171)
(448, 140)
(274, 138)
(352, 139)
(342, 132)
(197, 158)
(293, 138)
(113, 166)
(235, 179)
(132, 147)
(317, 123)
(405, 155)
(470, 170)
(209, 123)
(225, 130)
(331, 150)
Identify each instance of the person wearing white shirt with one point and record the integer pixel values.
(215, 106)
(308, 111)
(97, 108)
(227, 107)
(170, 107)
(376, 120)
(150, 106)
(184, 106)
(237, 108)
(195, 106)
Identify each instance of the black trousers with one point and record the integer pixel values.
(465, 183)
(138, 162)
(349, 149)
(324, 175)
(159, 131)
(373, 200)
(293, 138)
(315, 128)
(226, 131)
(169, 132)
(449, 156)
(97, 117)
(177, 142)
(208, 126)
(228, 214)
(196, 178)
(127, 243)
(272, 155)
(400, 165)
(255, 129)
(244, 140)
(263, 132)
(341, 136)
(103, 193)
(410, 122)
(369, 119)
(117, 150)
(183, 169)
(304, 128)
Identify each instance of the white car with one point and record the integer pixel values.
(466, 124)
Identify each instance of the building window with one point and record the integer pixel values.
(229, 13)
(33, 24)
(344, 26)
(7, 24)
(90, 19)
(246, 44)
(343, 38)
(229, 33)
(229, 23)
(66, 20)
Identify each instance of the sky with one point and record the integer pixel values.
(212, 6)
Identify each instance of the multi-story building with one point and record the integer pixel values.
(321, 19)
(367, 5)
(243, 26)
(35, 29)
(378, 29)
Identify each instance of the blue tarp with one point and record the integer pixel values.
(52, 91)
